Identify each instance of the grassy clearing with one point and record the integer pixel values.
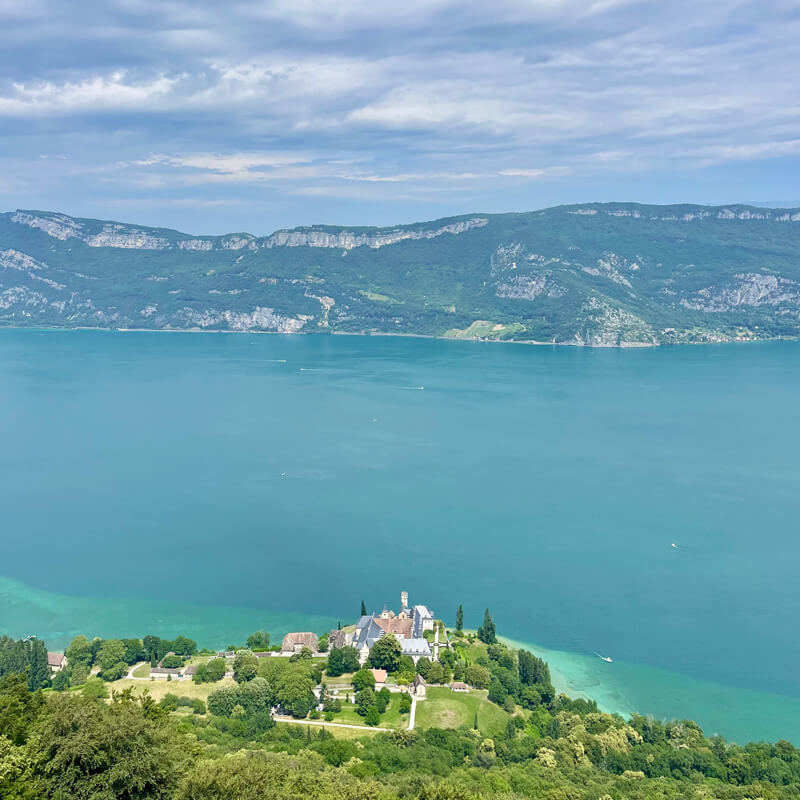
(142, 671)
(390, 719)
(159, 688)
(345, 680)
(379, 298)
(484, 329)
(444, 708)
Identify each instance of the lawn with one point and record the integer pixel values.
(142, 671)
(391, 718)
(344, 680)
(444, 708)
(159, 688)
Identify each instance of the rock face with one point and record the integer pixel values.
(750, 289)
(347, 240)
(598, 275)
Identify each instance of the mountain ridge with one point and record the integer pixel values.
(599, 274)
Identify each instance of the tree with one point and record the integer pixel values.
(245, 666)
(497, 692)
(295, 690)
(82, 749)
(373, 716)
(258, 640)
(382, 699)
(214, 670)
(487, 633)
(363, 679)
(424, 667)
(134, 651)
(78, 674)
(435, 673)
(385, 654)
(323, 643)
(365, 699)
(18, 707)
(222, 701)
(341, 660)
(405, 703)
(154, 649)
(60, 681)
(79, 651)
(255, 696)
(460, 618)
(477, 676)
(172, 662)
(184, 646)
(363, 609)
(110, 656)
(38, 668)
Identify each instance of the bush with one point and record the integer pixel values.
(94, 688)
(477, 676)
(405, 703)
(198, 706)
(372, 717)
(171, 662)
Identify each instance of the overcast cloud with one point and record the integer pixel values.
(261, 115)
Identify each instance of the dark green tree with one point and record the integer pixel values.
(363, 679)
(460, 618)
(487, 633)
(385, 654)
(79, 651)
(258, 640)
(363, 609)
(245, 666)
(341, 660)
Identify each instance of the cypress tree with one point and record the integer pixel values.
(486, 633)
(460, 618)
(363, 609)
(475, 721)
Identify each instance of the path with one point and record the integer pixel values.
(131, 677)
(413, 715)
(328, 724)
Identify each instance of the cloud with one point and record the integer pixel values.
(294, 98)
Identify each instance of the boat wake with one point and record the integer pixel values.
(607, 659)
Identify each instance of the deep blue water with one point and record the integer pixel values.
(546, 483)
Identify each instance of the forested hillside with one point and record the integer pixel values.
(598, 274)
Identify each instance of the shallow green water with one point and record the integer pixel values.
(142, 489)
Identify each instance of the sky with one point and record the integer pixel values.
(212, 117)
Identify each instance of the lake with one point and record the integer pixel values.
(642, 505)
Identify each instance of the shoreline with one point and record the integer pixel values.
(386, 334)
(624, 688)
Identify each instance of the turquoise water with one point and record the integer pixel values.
(142, 489)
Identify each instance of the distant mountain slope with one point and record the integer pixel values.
(596, 274)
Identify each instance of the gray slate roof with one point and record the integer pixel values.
(415, 647)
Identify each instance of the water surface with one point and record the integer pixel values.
(284, 478)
